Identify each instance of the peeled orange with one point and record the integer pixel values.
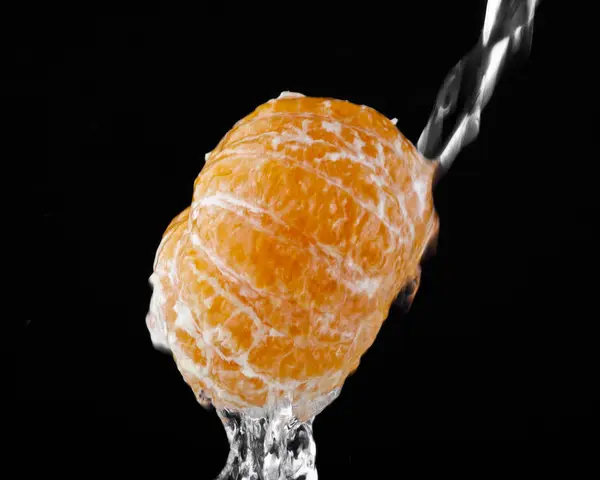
(308, 218)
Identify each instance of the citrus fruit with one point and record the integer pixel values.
(307, 219)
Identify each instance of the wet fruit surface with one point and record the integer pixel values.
(308, 218)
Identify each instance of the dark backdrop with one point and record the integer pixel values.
(492, 364)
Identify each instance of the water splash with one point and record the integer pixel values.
(273, 447)
(454, 122)
(271, 443)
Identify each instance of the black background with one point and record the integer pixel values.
(493, 363)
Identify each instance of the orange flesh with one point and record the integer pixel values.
(308, 218)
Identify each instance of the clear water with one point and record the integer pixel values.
(274, 447)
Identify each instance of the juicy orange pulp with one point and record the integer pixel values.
(308, 218)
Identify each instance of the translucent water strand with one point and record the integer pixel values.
(454, 122)
(275, 447)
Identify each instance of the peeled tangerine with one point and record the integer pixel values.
(307, 220)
